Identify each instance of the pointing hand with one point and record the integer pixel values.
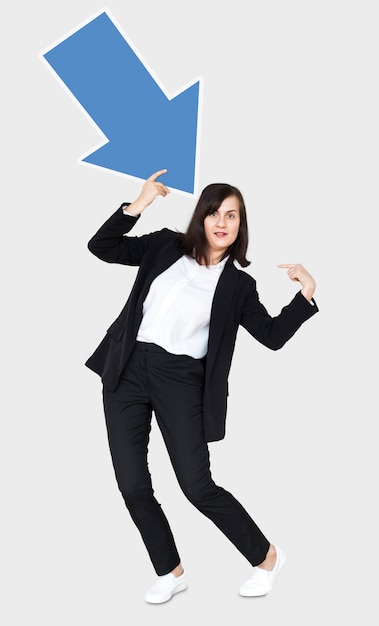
(298, 273)
(150, 190)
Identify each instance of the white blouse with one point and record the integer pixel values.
(177, 309)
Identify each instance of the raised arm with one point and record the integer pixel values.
(109, 242)
(274, 332)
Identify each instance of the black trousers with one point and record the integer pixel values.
(172, 387)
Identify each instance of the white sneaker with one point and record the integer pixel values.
(165, 587)
(262, 581)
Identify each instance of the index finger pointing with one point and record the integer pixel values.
(288, 265)
(156, 175)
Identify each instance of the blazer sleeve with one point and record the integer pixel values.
(110, 244)
(274, 332)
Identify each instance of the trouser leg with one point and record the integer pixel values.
(175, 387)
(128, 419)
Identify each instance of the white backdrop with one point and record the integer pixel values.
(290, 116)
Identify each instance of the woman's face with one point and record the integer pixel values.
(221, 227)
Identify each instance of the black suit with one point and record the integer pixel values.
(188, 396)
(236, 302)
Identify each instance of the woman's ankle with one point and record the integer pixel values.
(178, 571)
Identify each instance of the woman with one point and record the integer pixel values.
(170, 351)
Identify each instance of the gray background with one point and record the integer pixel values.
(289, 115)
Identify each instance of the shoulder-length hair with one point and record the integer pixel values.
(194, 243)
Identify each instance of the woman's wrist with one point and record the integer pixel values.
(135, 208)
(308, 293)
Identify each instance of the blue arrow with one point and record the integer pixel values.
(145, 130)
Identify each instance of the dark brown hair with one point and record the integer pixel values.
(194, 242)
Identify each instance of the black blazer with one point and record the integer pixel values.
(235, 302)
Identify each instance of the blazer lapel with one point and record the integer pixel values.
(222, 301)
(163, 262)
